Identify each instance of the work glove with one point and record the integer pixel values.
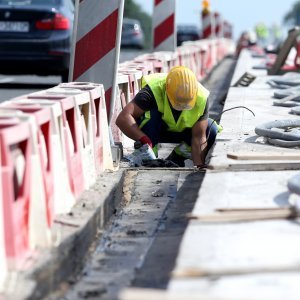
(142, 141)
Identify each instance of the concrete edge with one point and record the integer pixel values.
(75, 233)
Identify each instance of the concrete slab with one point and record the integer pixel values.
(246, 63)
(249, 247)
(238, 135)
(256, 259)
(243, 190)
(254, 287)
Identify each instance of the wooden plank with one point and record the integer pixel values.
(246, 215)
(243, 155)
(150, 294)
(284, 52)
(199, 272)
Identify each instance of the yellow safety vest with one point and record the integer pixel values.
(187, 118)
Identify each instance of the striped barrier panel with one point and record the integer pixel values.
(96, 21)
(208, 30)
(218, 25)
(163, 25)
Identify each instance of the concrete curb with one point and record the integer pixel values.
(74, 234)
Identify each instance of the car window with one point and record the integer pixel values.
(30, 2)
(128, 26)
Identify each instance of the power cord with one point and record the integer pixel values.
(228, 109)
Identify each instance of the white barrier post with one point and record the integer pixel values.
(163, 25)
(96, 46)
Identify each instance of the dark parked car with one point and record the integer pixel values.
(35, 36)
(187, 33)
(132, 34)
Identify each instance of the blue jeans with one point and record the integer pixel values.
(156, 130)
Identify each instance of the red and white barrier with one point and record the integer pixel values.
(24, 196)
(163, 25)
(84, 117)
(227, 30)
(71, 135)
(208, 28)
(56, 174)
(99, 124)
(95, 52)
(44, 131)
(3, 261)
(218, 25)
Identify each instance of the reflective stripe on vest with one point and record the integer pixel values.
(187, 118)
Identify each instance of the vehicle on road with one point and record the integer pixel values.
(132, 34)
(187, 33)
(35, 36)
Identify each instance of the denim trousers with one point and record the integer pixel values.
(156, 130)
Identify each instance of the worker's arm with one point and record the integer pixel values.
(126, 121)
(199, 143)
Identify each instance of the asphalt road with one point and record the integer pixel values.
(16, 85)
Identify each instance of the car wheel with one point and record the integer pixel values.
(65, 76)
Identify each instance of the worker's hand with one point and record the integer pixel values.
(145, 140)
(200, 167)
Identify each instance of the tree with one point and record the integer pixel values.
(292, 17)
(134, 11)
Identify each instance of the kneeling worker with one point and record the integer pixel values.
(171, 108)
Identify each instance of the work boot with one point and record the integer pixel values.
(176, 158)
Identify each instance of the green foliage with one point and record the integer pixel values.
(292, 17)
(134, 11)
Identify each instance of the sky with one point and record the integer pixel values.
(243, 15)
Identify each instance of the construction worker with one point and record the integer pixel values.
(262, 33)
(171, 108)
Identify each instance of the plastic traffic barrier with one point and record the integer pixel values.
(43, 121)
(3, 261)
(59, 195)
(135, 75)
(103, 154)
(72, 137)
(24, 203)
(85, 119)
